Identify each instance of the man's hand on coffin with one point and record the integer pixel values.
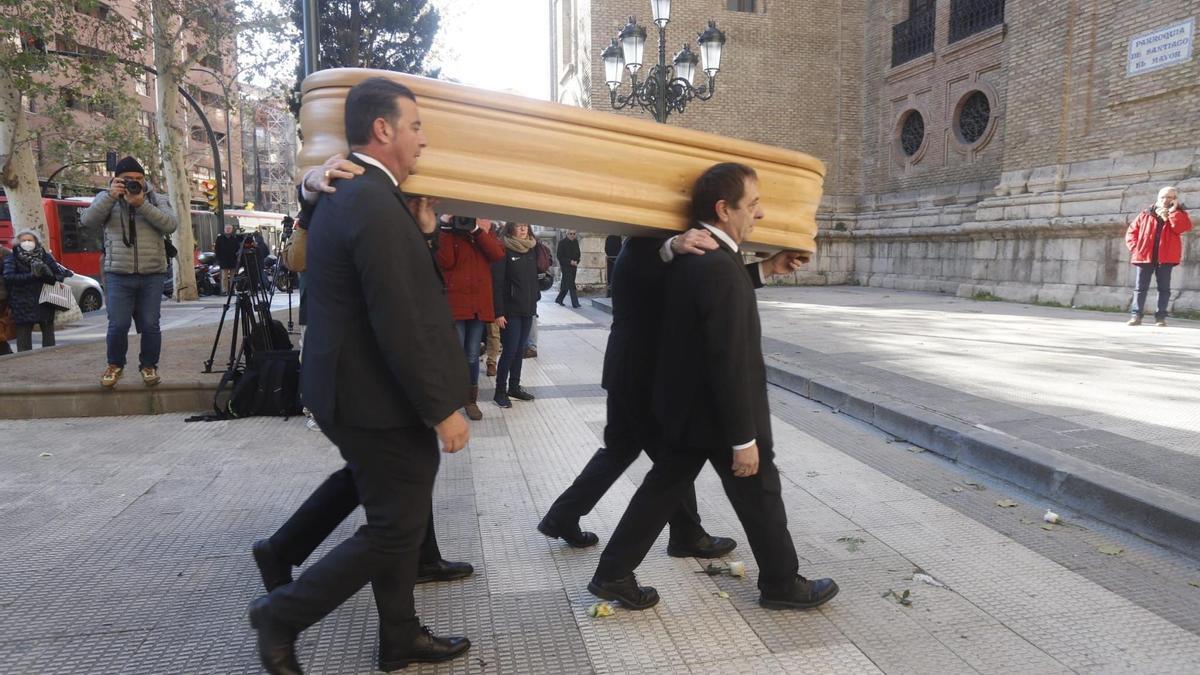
(337, 167)
(453, 433)
(785, 262)
(693, 242)
(423, 210)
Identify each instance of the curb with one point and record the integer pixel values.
(74, 400)
(1148, 511)
(603, 304)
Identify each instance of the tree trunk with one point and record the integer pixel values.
(18, 171)
(170, 143)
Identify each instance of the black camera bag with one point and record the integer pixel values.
(268, 386)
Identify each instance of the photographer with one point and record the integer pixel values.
(135, 220)
(466, 249)
(1155, 248)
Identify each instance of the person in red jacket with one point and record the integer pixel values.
(466, 249)
(1155, 248)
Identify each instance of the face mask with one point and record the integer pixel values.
(28, 246)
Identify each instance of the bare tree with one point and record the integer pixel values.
(62, 88)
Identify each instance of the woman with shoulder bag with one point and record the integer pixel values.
(516, 305)
(25, 272)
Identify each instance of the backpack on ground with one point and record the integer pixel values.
(269, 385)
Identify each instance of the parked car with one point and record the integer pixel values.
(87, 292)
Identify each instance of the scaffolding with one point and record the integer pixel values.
(270, 150)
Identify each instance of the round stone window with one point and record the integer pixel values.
(973, 116)
(912, 133)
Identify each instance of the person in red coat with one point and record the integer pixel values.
(1155, 248)
(466, 250)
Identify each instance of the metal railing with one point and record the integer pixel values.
(968, 17)
(912, 38)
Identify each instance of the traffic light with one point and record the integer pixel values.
(210, 193)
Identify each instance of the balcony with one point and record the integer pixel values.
(968, 17)
(912, 38)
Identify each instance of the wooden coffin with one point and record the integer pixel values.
(507, 157)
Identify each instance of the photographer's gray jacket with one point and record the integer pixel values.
(144, 253)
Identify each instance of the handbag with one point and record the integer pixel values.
(545, 281)
(56, 294)
(169, 248)
(68, 315)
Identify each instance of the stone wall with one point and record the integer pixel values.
(790, 75)
(1033, 209)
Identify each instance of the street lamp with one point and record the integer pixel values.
(667, 87)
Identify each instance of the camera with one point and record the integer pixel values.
(459, 224)
(132, 187)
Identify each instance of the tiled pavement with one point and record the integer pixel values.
(125, 551)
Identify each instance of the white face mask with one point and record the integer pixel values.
(28, 245)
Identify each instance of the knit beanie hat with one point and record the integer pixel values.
(17, 237)
(129, 164)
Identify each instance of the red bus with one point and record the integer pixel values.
(71, 244)
(80, 249)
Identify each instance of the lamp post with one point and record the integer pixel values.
(667, 87)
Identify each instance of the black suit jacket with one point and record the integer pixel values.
(630, 358)
(380, 350)
(567, 251)
(711, 384)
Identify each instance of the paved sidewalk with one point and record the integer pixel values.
(1077, 385)
(126, 550)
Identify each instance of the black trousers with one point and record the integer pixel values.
(45, 314)
(625, 436)
(568, 284)
(757, 500)
(393, 472)
(331, 503)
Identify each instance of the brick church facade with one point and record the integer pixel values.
(972, 146)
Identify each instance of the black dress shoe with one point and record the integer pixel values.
(626, 591)
(571, 534)
(276, 642)
(502, 400)
(803, 594)
(704, 547)
(576, 306)
(424, 648)
(520, 393)
(443, 570)
(274, 572)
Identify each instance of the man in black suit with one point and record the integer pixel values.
(710, 397)
(336, 498)
(384, 377)
(568, 259)
(628, 377)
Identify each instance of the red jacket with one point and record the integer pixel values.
(1140, 237)
(466, 264)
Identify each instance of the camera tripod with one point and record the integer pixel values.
(251, 301)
